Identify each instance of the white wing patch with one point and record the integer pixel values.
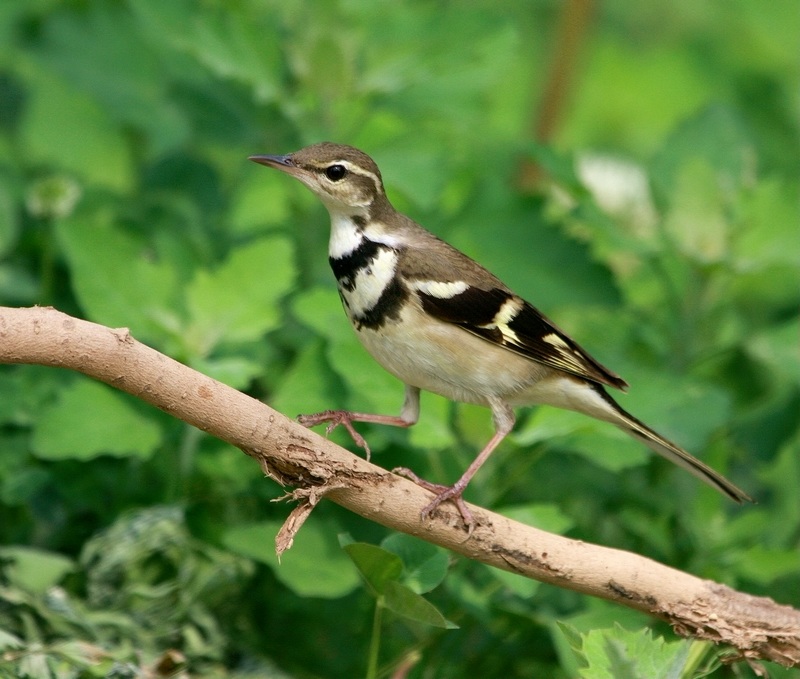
(440, 289)
(505, 314)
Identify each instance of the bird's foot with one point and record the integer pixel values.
(443, 494)
(334, 418)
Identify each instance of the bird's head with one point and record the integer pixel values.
(344, 178)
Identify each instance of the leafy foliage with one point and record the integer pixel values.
(665, 240)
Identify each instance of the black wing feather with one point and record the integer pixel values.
(527, 331)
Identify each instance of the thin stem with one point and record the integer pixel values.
(375, 640)
(47, 262)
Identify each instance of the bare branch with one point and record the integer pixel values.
(756, 626)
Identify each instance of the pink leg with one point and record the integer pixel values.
(503, 422)
(408, 416)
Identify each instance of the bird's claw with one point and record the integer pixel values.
(335, 418)
(442, 494)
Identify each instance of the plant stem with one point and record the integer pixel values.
(375, 640)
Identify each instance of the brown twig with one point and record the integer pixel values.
(756, 626)
(567, 42)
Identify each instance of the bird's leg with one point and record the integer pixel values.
(408, 416)
(503, 416)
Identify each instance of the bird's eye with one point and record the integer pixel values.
(335, 172)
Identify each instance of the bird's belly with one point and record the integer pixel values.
(447, 360)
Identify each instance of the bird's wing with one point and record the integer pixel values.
(505, 319)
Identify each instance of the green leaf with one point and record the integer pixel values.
(433, 431)
(238, 301)
(9, 219)
(617, 653)
(425, 565)
(9, 641)
(377, 566)
(599, 442)
(34, 569)
(547, 517)
(696, 219)
(535, 258)
(115, 278)
(308, 385)
(101, 52)
(66, 129)
(716, 136)
(409, 605)
(568, 642)
(235, 371)
(238, 45)
(261, 199)
(764, 565)
(313, 567)
(767, 229)
(779, 348)
(90, 419)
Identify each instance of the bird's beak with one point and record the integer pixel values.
(282, 163)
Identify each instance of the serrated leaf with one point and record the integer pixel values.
(89, 419)
(237, 301)
(572, 635)
(617, 653)
(403, 602)
(313, 567)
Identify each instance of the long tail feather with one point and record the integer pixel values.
(636, 428)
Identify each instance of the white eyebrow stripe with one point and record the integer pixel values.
(440, 289)
(356, 169)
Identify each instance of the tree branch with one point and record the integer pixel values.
(756, 626)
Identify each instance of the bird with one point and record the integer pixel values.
(440, 322)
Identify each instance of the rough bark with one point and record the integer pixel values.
(757, 627)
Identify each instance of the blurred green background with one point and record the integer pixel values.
(632, 170)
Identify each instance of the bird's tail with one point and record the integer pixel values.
(630, 425)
